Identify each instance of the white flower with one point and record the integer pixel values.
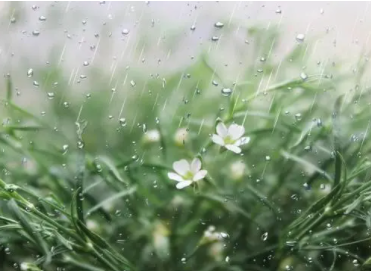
(187, 173)
(237, 170)
(181, 135)
(231, 138)
(152, 136)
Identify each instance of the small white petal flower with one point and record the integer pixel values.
(237, 170)
(152, 136)
(230, 138)
(187, 173)
(181, 135)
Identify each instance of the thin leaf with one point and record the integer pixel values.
(30, 230)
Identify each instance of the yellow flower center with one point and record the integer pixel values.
(228, 140)
(188, 175)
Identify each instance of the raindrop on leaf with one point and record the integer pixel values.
(42, 18)
(35, 33)
(125, 31)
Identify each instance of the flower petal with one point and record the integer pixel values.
(183, 184)
(181, 167)
(195, 165)
(200, 175)
(233, 148)
(221, 130)
(236, 131)
(217, 140)
(242, 141)
(175, 177)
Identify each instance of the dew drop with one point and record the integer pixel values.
(42, 18)
(125, 31)
(35, 33)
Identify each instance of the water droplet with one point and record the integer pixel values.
(291, 243)
(294, 197)
(227, 259)
(80, 144)
(303, 76)
(66, 104)
(267, 158)
(193, 28)
(50, 95)
(215, 83)
(319, 123)
(125, 31)
(300, 37)
(183, 260)
(132, 83)
(83, 76)
(117, 213)
(30, 72)
(13, 20)
(278, 11)
(86, 63)
(355, 262)
(264, 237)
(321, 11)
(64, 148)
(42, 18)
(226, 92)
(215, 38)
(36, 33)
(122, 122)
(35, 83)
(219, 24)
(298, 116)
